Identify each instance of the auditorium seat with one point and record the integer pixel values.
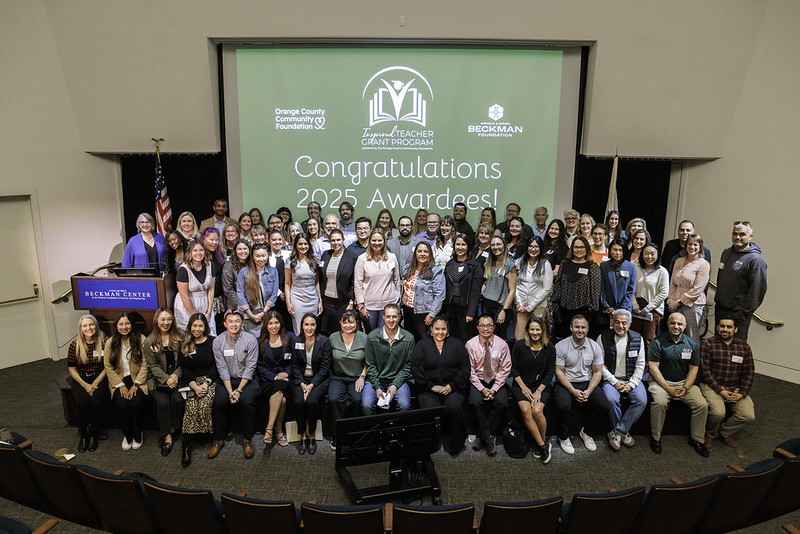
(330, 519)
(177, 509)
(612, 512)
(691, 498)
(244, 514)
(530, 516)
(119, 500)
(16, 481)
(450, 519)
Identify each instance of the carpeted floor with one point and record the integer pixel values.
(30, 404)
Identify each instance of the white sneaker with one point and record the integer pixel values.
(125, 445)
(566, 446)
(136, 444)
(628, 440)
(614, 441)
(588, 441)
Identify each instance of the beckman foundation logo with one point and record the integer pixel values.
(397, 100)
(495, 128)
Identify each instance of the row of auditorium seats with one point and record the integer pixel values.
(118, 502)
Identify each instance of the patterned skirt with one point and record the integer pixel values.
(197, 415)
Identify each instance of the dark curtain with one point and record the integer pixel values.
(194, 182)
(642, 190)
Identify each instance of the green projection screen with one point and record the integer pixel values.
(399, 128)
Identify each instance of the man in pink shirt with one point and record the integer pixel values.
(490, 365)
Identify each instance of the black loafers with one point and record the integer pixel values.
(303, 446)
(699, 448)
(312, 446)
(655, 445)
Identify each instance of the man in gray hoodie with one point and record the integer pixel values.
(741, 279)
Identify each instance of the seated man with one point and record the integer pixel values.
(579, 370)
(236, 355)
(726, 369)
(490, 365)
(674, 360)
(388, 362)
(622, 376)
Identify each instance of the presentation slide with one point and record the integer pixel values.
(392, 128)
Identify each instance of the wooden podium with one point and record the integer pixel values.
(106, 296)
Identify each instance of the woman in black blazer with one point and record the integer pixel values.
(335, 266)
(440, 366)
(311, 368)
(463, 282)
(276, 259)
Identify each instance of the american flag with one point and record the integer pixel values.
(163, 209)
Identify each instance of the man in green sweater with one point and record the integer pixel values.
(388, 361)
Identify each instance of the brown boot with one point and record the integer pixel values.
(216, 446)
(708, 441)
(247, 445)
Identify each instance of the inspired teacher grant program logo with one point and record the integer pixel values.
(397, 101)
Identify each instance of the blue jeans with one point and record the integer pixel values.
(638, 398)
(369, 398)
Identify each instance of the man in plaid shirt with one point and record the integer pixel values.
(726, 368)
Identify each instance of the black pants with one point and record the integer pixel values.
(454, 425)
(247, 404)
(457, 320)
(343, 399)
(562, 330)
(601, 416)
(489, 426)
(332, 310)
(415, 323)
(130, 411)
(307, 410)
(169, 410)
(90, 407)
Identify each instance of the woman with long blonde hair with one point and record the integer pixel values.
(89, 384)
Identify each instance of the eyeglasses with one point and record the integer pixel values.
(260, 246)
(570, 218)
(485, 326)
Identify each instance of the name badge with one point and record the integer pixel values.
(624, 274)
(95, 354)
(193, 353)
(485, 254)
(583, 270)
(686, 354)
(495, 354)
(737, 359)
(603, 258)
(227, 352)
(721, 266)
(632, 354)
(321, 264)
(300, 346)
(287, 356)
(461, 269)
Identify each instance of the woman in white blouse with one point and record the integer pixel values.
(534, 285)
(376, 280)
(652, 288)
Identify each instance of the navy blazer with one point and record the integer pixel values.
(344, 274)
(321, 360)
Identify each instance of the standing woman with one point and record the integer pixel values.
(302, 283)
(195, 286)
(230, 273)
(555, 244)
(336, 273)
(162, 352)
(311, 368)
(489, 216)
(463, 283)
(295, 229)
(285, 214)
(127, 377)
(598, 248)
(277, 260)
(516, 238)
(585, 225)
(376, 279)
(613, 224)
(534, 285)
(634, 225)
(176, 244)
(423, 291)
(483, 238)
(89, 384)
(652, 288)
(501, 283)
(576, 287)
(420, 221)
(634, 249)
(187, 226)
(440, 366)
(443, 246)
(230, 236)
(533, 364)
(313, 231)
(348, 372)
(245, 225)
(200, 374)
(258, 235)
(619, 283)
(256, 289)
(386, 224)
(145, 249)
(688, 284)
(256, 217)
(274, 370)
(210, 240)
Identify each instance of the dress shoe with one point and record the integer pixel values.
(83, 442)
(708, 441)
(730, 442)
(247, 446)
(699, 448)
(92, 443)
(216, 446)
(312, 446)
(166, 448)
(655, 445)
(186, 456)
(491, 446)
(303, 446)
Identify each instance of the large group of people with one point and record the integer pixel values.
(369, 318)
